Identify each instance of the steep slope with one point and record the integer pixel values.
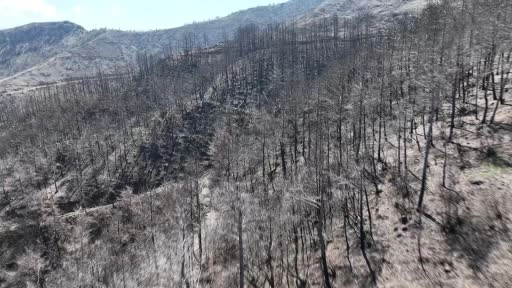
(28, 45)
(280, 162)
(108, 50)
(65, 50)
(383, 9)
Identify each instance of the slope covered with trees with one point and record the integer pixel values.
(31, 54)
(337, 154)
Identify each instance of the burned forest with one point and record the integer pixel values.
(336, 152)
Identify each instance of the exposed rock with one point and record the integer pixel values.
(447, 268)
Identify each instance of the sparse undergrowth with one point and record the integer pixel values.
(287, 157)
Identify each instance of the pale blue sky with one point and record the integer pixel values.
(120, 14)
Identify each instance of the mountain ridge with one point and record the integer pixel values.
(110, 49)
(24, 46)
(82, 53)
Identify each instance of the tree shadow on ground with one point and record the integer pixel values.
(497, 159)
(474, 238)
(376, 255)
(344, 275)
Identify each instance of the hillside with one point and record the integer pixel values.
(383, 10)
(29, 45)
(28, 61)
(334, 153)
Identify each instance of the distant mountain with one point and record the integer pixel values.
(26, 46)
(48, 52)
(41, 53)
(383, 9)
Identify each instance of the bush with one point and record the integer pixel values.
(491, 152)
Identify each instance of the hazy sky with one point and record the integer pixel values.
(120, 14)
